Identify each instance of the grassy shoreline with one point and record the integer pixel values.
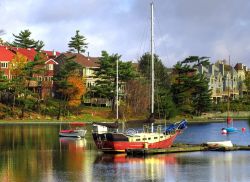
(101, 114)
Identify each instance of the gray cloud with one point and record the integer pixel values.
(182, 27)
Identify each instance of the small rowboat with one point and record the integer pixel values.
(218, 144)
(78, 131)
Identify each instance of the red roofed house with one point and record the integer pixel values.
(5, 58)
(7, 54)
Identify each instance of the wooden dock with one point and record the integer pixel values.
(182, 148)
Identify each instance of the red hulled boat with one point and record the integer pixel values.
(108, 139)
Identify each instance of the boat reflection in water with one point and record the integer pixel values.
(126, 168)
(73, 142)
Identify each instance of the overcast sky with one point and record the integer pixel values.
(214, 28)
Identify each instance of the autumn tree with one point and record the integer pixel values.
(75, 91)
(137, 98)
(78, 43)
(68, 85)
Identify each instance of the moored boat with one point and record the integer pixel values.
(108, 139)
(76, 131)
(218, 144)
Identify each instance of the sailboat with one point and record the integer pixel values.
(230, 128)
(108, 139)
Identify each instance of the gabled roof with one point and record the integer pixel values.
(5, 54)
(51, 61)
(89, 62)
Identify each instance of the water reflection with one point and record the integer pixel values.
(36, 153)
(124, 168)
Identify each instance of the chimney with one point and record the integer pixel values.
(54, 53)
(221, 68)
(88, 55)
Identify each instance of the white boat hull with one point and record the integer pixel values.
(220, 144)
(74, 133)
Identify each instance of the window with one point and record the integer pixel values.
(155, 137)
(144, 138)
(161, 136)
(4, 65)
(50, 67)
(137, 140)
(149, 138)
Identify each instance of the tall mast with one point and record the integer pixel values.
(152, 64)
(228, 92)
(117, 116)
(228, 95)
(152, 58)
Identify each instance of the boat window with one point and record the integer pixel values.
(144, 138)
(149, 138)
(155, 137)
(137, 139)
(161, 136)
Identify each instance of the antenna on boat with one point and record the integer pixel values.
(152, 63)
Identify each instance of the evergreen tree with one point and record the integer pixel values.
(23, 40)
(106, 83)
(196, 60)
(78, 43)
(163, 102)
(201, 95)
(247, 83)
(190, 90)
(161, 76)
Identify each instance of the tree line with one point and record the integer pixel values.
(180, 91)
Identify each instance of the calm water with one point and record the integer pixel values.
(36, 153)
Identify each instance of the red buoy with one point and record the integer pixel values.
(243, 129)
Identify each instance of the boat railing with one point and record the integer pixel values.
(159, 128)
(146, 129)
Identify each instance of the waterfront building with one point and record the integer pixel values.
(43, 82)
(226, 82)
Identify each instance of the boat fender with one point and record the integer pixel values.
(145, 145)
(223, 131)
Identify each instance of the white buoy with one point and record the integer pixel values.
(223, 131)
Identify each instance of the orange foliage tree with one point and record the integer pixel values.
(17, 64)
(76, 90)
